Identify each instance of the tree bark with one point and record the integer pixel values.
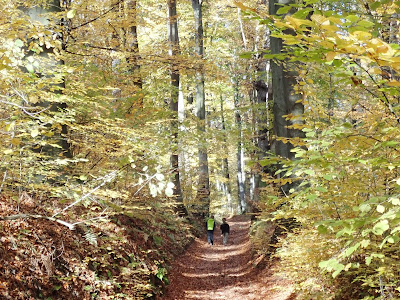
(285, 98)
(242, 205)
(284, 75)
(262, 117)
(174, 100)
(261, 131)
(226, 186)
(133, 58)
(203, 184)
(51, 64)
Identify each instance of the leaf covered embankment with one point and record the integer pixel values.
(123, 256)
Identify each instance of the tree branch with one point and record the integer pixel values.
(27, 216)
(23, 108)
(98, 17)
(108, 178)
(385, 99)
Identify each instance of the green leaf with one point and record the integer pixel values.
(322, 229)
(380, 227)
(309, 172)
(365, 243)
(365, 207)
(373, 255)
(374, 5)
(352, 18)
(365, 23)
(321, 189)
(310, 134)
(380, 209)
(390, 143)
(246, 55)
(395, 201)
(311, 197)
(30, 68)
(71, 13)
(351, 250)
(393, 239)
(337, 62)
(339, 269)
(283, 10)
(302, 13)
(34, 132)
(19, 43)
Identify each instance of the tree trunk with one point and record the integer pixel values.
(284, 75)
(133, 58)
(174, 100)
(226, 186)
(261, 131)
(203, 184)
(242, 205)
(48, 61)
(261, 126)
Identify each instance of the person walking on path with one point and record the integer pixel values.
(210, 230)
(225, 231)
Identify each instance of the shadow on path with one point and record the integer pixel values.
(220, 272)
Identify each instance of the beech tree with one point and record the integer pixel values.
(174, 100)
(346, 204)
(288, 108)
(42, 60)
(203, 184)
(335, 85)
(133, 57)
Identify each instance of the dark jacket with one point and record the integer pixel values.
(224, 228)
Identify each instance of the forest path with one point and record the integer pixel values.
(224, 272)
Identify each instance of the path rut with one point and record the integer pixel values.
(224, 272)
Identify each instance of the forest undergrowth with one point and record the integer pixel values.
(123, 256)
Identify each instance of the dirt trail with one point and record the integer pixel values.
(223, 272)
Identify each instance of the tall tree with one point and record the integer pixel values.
(204, 181)
(46, 64)
(261, 112)
(133, 57)
(241, 174)
(240, 151)
(226, 184)
(174, 50)
(287, 108)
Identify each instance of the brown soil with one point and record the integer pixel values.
(224, 272)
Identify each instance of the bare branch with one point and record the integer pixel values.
(23, 108)
(98, 17)
(108, 178)
(27, 216)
